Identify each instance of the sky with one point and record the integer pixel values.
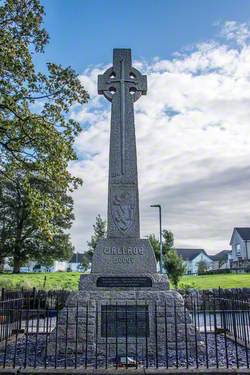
(192, 128)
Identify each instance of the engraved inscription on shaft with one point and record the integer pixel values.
(123, 255)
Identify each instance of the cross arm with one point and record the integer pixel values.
(102, 81)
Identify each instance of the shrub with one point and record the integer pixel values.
(216, 272)
(185, 287)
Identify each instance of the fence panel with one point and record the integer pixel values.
(111, 335)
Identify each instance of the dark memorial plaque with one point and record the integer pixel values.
(124, 282)
(124, 320)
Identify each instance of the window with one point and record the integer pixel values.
(238, 250)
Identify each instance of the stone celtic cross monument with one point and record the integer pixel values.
(117, 302)
(123, 252)
(122, 85)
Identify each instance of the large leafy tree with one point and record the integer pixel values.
(21, 238)
(36, 131)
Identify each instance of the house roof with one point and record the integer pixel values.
(220, 255)
(244, 233)
(190, 254)
(76, 258)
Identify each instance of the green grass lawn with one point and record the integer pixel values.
(215, 281)
(69, 280)
(54, 280)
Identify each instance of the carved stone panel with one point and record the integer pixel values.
(123, 201)
(123, 256)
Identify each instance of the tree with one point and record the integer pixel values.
(23, 239)
(168, 242)
(86, 259)
(202, 267)
(100, 231)
(3, 239)
(174, 266)
(155, 243)
(36, 131)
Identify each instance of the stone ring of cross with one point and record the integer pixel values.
(112, 84)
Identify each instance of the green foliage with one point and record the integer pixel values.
(36, 132)
(221, 271)
(100, 231)
(186, 286)
(155, 243)
(86, 259)
(168, 242)
(174, 266)
(54, 280)
(20, 236)
(202, 267)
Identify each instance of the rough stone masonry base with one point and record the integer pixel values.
(164, 306)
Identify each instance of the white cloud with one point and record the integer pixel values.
(193, 145)
(238, 32)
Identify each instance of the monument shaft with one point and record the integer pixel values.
(122, 85)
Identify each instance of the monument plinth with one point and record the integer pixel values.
(123, 294)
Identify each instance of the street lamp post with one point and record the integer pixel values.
(159, 206)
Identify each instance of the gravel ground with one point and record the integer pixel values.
(15, 353)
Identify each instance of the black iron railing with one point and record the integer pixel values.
(211, 334)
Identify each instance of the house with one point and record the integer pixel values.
(33, 266)
(75, 263)
(192, 258)
(221, 260)
(240, 243)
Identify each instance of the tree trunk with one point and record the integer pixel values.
(16, 264)
(17, 256)
(1, 265)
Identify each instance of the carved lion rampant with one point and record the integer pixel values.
(123, 207)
